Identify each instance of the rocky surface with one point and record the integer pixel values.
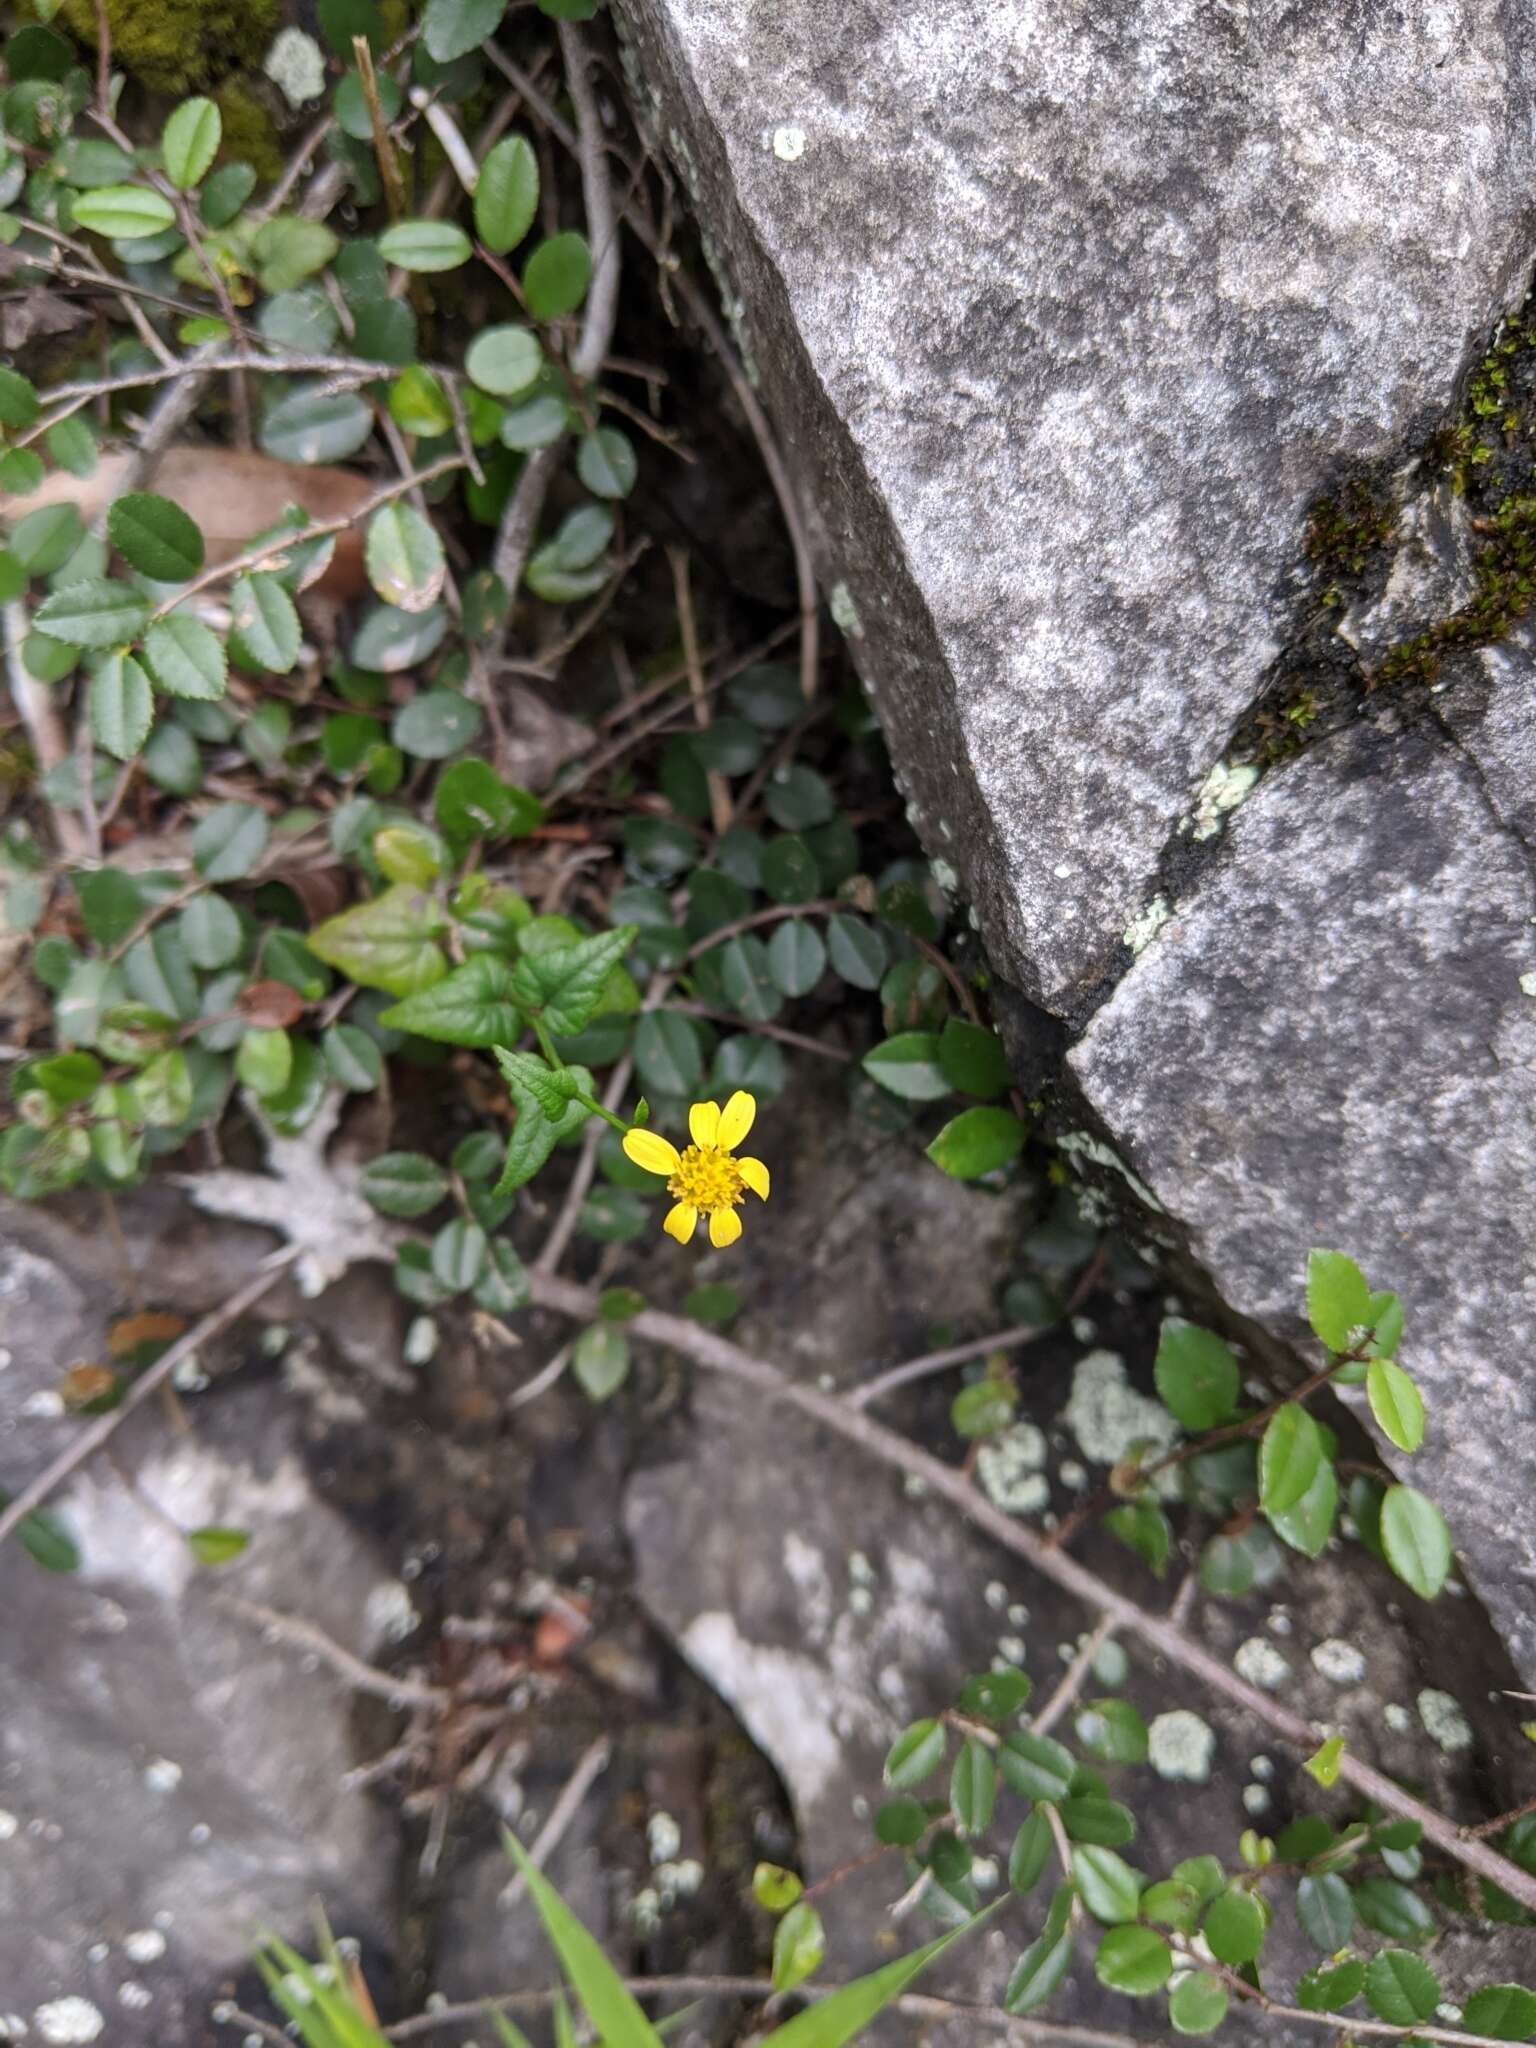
(1335, 1043)
(1064, 324)
(1064, 320)
(170, 1782)
(842, 1606)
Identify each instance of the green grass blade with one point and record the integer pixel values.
(609, 2006)
(837, 2019)
(508, 2035)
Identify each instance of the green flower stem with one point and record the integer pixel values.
(597, 1109)
(546, 1043)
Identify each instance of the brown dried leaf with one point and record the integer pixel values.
(271, 1005)
(85, 1383)
(148, 1327)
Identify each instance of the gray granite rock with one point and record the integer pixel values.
(1335, 1044)
(170, 1782)
(1064, 315)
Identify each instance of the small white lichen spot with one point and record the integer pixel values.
(13, 2027)
(984, 1873)
(134, 1996)
(1397, 1717)
(389, 1615)
(296, 66)
(789, 142)
(1111, 1666)
(43, 1406)
(945, 874)
(1221, 792)
(1444, 1722)
(68, 2022)
(1180, 1746)
(8, 1825)
(145, 1945)
(1141, 931)
(1255, 1800)
(1009, 1466)
(162, 1775)
(1011, 1650)
(421, 1341)
(1261, 1664)
(1339, 1661)
(996, 1595)
(1262, 1767)
(845, 613)
(663, 1838)
(1528, 983)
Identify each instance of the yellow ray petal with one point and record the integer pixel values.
(724, 1228)
(736, 1120)
(650, 1150)
(703, 1123)
(755, 1174)
(680, 1222)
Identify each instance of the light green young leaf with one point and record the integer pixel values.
(915, 1754)
(505, 361)
(610, 2007)
(213, 1545)
(556, 276)
(387, 943)
(190, 142)
(1198, 2005)
(126, 213)
(425, 246)
(405, 559)
(975, 1142)
(1235, 1927)
(1396, 1403)
(1135, 1960)
(1308, 1523)
(507, 195)
(799, 1946)
(1416, 1540)
(1291, 1451)
(1338, 1300)
(264, 623)
(837, 2019)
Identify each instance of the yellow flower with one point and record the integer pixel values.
(705, 1178)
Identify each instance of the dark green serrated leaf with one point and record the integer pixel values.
(155, 537)
(1401, 1988)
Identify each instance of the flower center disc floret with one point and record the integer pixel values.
(710, 1180)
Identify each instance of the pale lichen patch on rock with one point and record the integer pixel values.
(1444, 1722)
(1010, 1467)
(1261, 1664)
(1107, 1415)
(1180, 1746)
